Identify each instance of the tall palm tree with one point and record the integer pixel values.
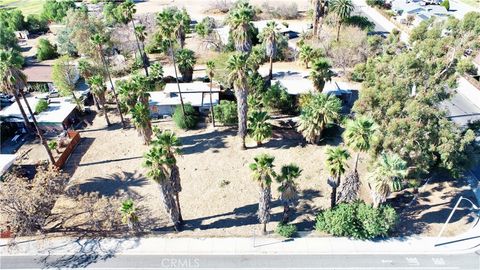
(167, 26)
(237, 67)
(342, 9)
(390, 169)
(182, 26)
(336, 163)
(170, 142)
(259, 127)
(240, 22)
(321, 73)
(142, 121)
(211, 73)
(306, 54)
(319, 8)
(186, 61)
(320, 111)
(128, 11)
(263, 173)
(140, 31)
(157, 161)
(99, 40)
(270, 36)
(359, 135)
(10, 63)
(288, 188)
(98, 89)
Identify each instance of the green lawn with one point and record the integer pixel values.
(26, 6)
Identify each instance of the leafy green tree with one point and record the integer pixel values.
(288, 188)
(12, 19)
(45, 50)
(237, 76)
(389, 171)
(56, 10)
(240, 21)
(259, 127)
(63, 75)
(336, 163)
(157, 162)
(186, 61)
(142, 121)
(263, 173)
(321, 73)
(36, 24)
(187, 119)
(269, 37)
(8, 40)
(98, 89)
(226, 112)
(320, 111)
(342, 9)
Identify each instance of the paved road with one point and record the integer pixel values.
(373, 262)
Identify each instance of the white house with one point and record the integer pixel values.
(163, 103)
(417, 10)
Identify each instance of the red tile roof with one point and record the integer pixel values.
(39, 73)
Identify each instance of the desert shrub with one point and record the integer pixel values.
(205, 27)
(357, 220)
(220, 6)
(52, 145)
(189, 120)
(41, 106)
(277, 98)
(358, 73)
(465, 66)
(226, 112)
(280, 11)
(377, 3)
(286, 230)
(45, 50)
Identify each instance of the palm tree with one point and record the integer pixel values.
(167, 26)
(237, 76)
(129, 215)
(321, 73)
(259, 127)
(98, 89)
(142, 36)
(211, 73)
(240, 22)
(128, 11)
(359, 135)
(318, 13)
(182, 26)
(256, 57)
(336, 163)
(263, 173)
(306, 54)
(186, 61)
(10, 63)
(342, 9)
(14, 80)
(320, 111)
(170, 142)
(99, 40)
(142, 121)
(390, 169)
(270, 36)
(288, 188)
(157, 161)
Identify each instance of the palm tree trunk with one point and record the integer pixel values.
(95, 100)
(264, 230)
(242, 110)
(176, 77)
(211, 103)
(339, 25)
(333, 197)
(356, 162)
(177, 198)
(39, 132)
(104, 108)
(316, 16)
(166, 192)
(264, 207)
(270, 74)
(22, 111)
(113, 88)
(177, 186)
(286, 211)
(138, 47)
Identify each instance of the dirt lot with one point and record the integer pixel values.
(219, 197)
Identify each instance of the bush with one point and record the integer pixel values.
(41, 106)
(358, 73)
(56, 10)
(378, 3)
(446, 4)
(189, 120)
(465, 66)
(36, 24)
(52, 145)
(286, 230)
(357, 220)
(226, 112)
(361, 22)
(277, 97)
(45, 50)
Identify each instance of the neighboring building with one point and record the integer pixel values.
(39, 78)
(414, 12)
(59, 115)
(163, 103)
(6, 161)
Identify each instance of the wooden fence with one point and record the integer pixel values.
(75, 139)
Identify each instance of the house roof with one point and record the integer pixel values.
(56, 112)
(298, 86)
(191, 93)
(39, 73)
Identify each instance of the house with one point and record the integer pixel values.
(59, 115)
(414, 12)
(163, 103)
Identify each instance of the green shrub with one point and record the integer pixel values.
(226, 112)
(189, 120)
(36, 24)
(286, 230)
(41, 106)
(357, 220)
(56, 10)
(45, 50)
(465, 66)
(446, 4)
(277, 98)
(52, 145)
(378, 3)
(358, 73)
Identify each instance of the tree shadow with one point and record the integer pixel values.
(87, 251)
(306, 209)
(199, 143)
(77, 154)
